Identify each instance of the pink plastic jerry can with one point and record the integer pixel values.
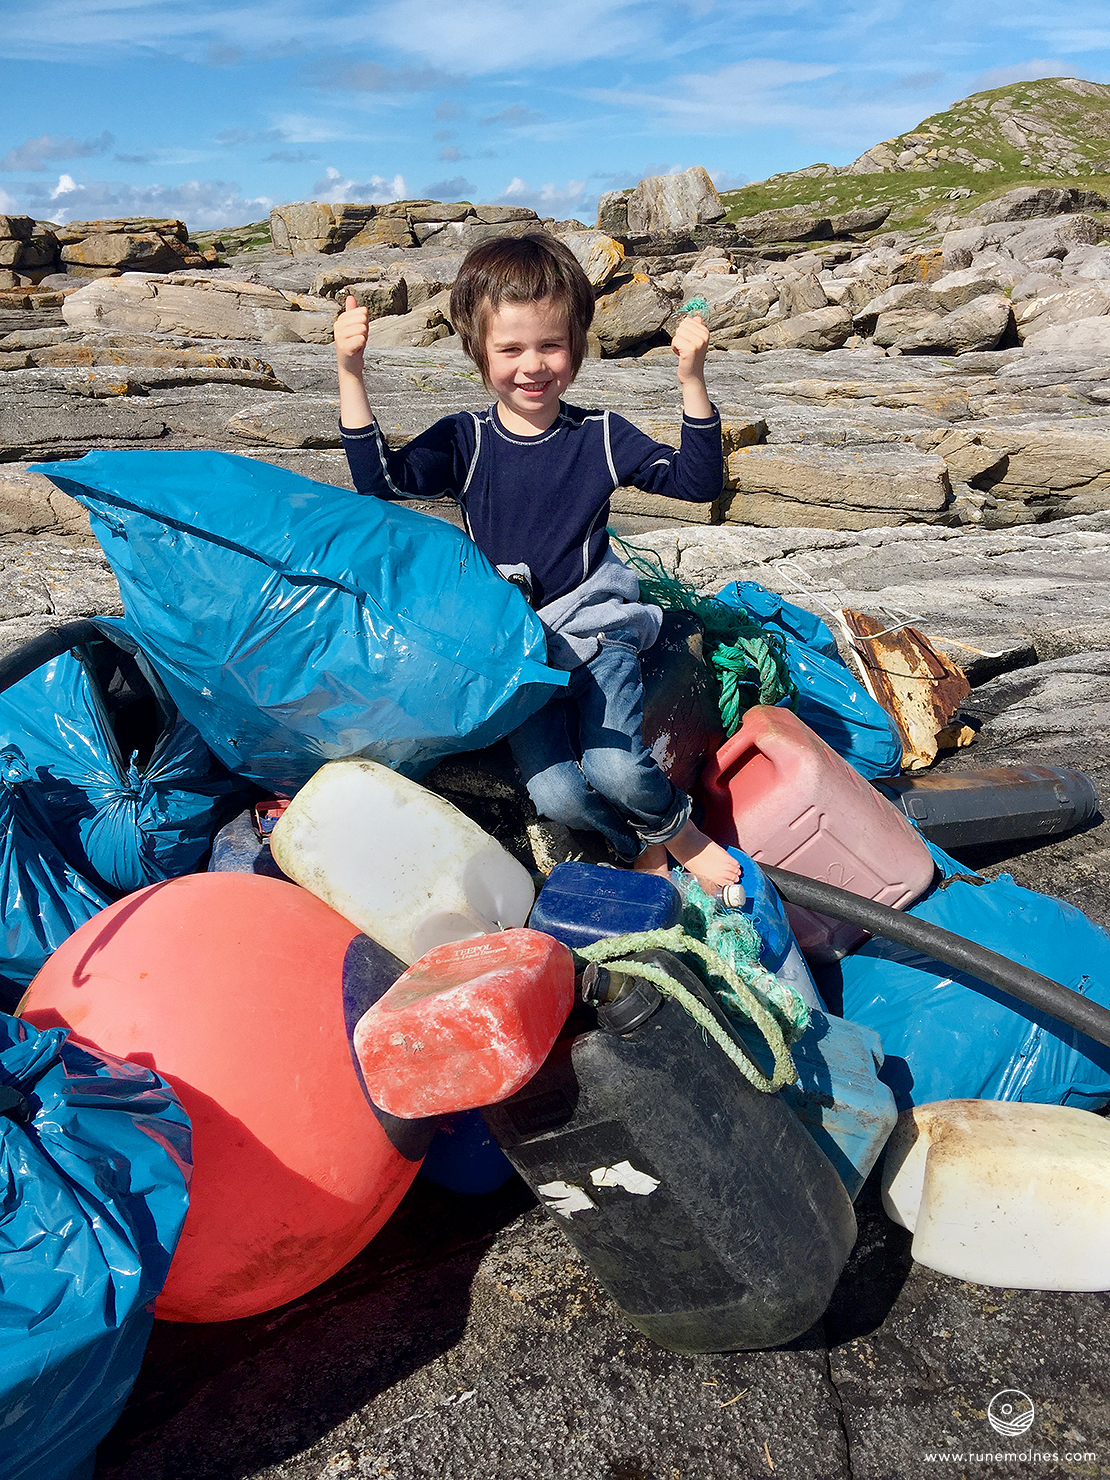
(780, 793)
(466, 1025)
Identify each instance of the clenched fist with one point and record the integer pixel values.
(690, 343)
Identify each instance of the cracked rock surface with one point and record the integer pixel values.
(468, 1341)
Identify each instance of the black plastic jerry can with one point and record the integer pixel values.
(701, 1204)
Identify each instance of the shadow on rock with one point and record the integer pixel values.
(223, 1401)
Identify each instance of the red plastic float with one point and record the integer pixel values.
(467, 1024)
(231, 986)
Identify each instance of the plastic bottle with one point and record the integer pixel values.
(762, 906)
(999, 1193)
(779, 792)
(700, 1204)
(995, 804)
(467, 1025)
(583, 902)
(402, 864)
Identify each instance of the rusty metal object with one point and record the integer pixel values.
(918, 687)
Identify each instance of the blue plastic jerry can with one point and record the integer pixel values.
(764, 908)
(464, 1157)
(583, 902)
(839, 1097)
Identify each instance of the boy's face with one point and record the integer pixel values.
(528, 352)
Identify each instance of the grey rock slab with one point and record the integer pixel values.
(978, 325)
(819, 328)
(1090, 336)
(46, 423)
(630, 314)
(598, 254)
(31, 504)
(1048, 586)
(1092, 300)
(203, 305)
(48, 577)
(289, 421)
(890, 477)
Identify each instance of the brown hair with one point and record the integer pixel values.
(521, 269)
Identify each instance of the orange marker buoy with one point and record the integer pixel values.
(231, 985)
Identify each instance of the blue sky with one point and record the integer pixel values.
(214, 112)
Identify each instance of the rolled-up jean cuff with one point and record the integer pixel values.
(674, 823)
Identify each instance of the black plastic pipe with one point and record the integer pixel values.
(36, 651)
(1041, 992)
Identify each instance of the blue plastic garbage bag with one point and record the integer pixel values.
(831, 700)
(295, 623)
(95, 1161)
(42, 899)
(122, 820)
(948, 1036)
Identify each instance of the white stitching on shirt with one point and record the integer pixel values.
(385, 466)
(609, 451)
(477, 450)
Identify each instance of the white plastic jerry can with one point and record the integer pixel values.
(1004, 1194)
(405, 866)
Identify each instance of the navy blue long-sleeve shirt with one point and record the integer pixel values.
(539, 501)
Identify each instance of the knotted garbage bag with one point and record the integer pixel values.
(94, 1161)
(119, 780)
(294, 623)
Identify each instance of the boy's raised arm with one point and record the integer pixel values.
(350, 331)
(696, 471)
(690, 342)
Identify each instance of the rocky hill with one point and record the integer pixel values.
(1055, 130)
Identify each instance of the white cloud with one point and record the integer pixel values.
(8, 204)
(458, 187)
(34, 154)
(1020, 72)
(375, 191)
(548, 200)
(486, 36)
(727, 179)
(764, 95)
(201, 204)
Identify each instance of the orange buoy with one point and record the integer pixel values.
(231, 985)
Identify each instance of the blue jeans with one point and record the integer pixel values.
(584, 760)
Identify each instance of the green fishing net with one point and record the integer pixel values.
(749, 662)
(734, 938)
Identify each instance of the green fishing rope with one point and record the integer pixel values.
(745, 999)
(749, 662)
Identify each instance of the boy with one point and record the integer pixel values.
(533, 477)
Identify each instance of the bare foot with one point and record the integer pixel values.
(709, 863)
(653, 860)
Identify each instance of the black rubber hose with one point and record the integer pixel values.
(36, 651)
(1041, 992)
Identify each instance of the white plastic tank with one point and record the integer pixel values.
(1004, 1194)
(405, 866)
